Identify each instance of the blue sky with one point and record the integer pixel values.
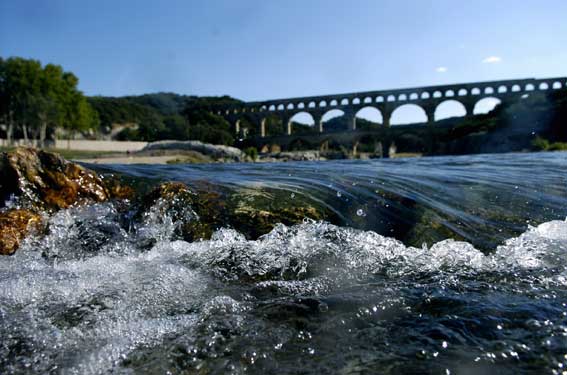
(254, 49)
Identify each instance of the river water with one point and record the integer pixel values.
(446, 265)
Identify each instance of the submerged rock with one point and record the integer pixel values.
(174, 202)
(15, 225)
(255, 212)
(197, 214)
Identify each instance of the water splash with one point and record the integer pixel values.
(74, 303)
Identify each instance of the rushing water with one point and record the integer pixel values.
(368, 294)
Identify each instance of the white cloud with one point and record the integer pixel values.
(441, 69)
(492, 60)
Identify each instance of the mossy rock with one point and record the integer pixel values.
(255, 212)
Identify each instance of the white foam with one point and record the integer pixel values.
(132, 297)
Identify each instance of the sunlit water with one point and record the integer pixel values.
(91, 297)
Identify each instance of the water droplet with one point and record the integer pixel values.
(444, 344)
(360, 212)
(339, 194)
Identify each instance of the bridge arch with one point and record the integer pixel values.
(334, 103)
(437, 94)
(356, 101)
(322, 103)
(414, 96)
(502, 89)
(529, 87)
(379, 99)
(391, 98)
(367, 100)
(270, 125)
(486, 105)
(408, 114)
(281, 107)
(462, 92)
(516, 88)
(311, 104)
(368, 113)
(328, 117)
(556, 85)
(449, 93)
(448, 109)
(246, 125)
(475, 91)
(488, 90)
(543, 86)
(300, 105)
(300, 122)
(344, 101)
(290, 106)
(425, 95)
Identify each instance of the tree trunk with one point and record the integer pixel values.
(42, 134)
(25, 130)
(10, 130)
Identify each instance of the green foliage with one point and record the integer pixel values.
(542, 144)
(205, 126)
(34, 100)
(165, 116)
(166, 103)
(251, 152)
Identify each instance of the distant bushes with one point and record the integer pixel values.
(251, 152)
(542, 144)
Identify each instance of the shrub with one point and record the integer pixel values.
(251, 152)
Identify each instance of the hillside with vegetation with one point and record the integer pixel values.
(160, 116)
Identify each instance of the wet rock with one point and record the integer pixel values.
(176, 202)
(255, 212)
(117, 189)
(15, 225)
(38, 182)
(197, 214)
(46, 181)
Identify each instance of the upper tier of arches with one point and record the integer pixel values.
(415, 96)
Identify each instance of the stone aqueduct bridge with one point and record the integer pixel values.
(386, 101)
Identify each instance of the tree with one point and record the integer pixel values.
(40, 99)
(20, 88)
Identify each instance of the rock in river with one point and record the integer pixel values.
(40, 182)
(15, 225)
(45, 181)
